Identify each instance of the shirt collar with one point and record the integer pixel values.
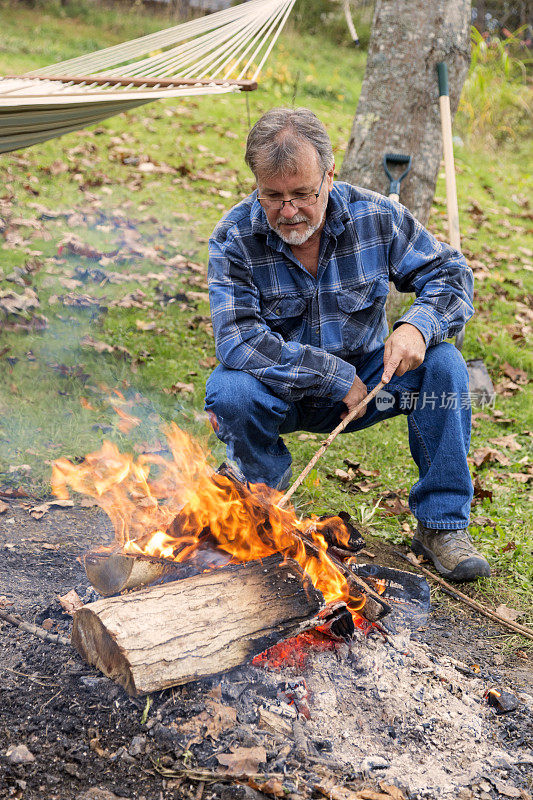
(337, 214)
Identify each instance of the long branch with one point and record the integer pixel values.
(523, 630)
(34, 629)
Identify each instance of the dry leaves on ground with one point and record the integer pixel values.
(212, 722)
(70, 602)
(39, 511)
(13, 303)
(515, 374)
(391, 505)
(333, 791)
(508, 441)
(243, 760)
(273, 787)
(488, 455)
(480, 493)
(180, 388)
(73, 244)
(507, 613)
(104, 347)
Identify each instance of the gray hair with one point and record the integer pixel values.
(274, 143)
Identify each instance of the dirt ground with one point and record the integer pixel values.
(84, 731)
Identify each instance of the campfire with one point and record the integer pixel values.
(226, 572)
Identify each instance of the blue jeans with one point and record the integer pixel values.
(251, 418)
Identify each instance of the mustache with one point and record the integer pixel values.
(296, 218)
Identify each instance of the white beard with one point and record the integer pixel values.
(296, 237)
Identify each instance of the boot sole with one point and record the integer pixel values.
(467, 570)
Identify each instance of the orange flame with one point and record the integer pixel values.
(170, 507)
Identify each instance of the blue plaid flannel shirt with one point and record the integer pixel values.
(303, 336)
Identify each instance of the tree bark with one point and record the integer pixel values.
(203, 625)
(398, 110)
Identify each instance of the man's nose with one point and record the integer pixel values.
(288, 211)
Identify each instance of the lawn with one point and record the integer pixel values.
(130, 330)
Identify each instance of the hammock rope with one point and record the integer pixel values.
(220, 53)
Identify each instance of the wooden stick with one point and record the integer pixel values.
(117, 80)
(523, 630)
(333, 435)
(34, 629)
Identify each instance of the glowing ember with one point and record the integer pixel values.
(171, 507)
(294, 652)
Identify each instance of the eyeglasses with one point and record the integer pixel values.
(301, 201)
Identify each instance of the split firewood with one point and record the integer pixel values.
(203, 625)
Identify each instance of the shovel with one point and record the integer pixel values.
(481, 387)
(391, 160)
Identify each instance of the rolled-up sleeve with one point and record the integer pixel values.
(244, 341)
(438, 275)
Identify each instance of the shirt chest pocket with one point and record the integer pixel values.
(361, 311)
(284, 314)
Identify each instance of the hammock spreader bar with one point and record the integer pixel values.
(217, 54)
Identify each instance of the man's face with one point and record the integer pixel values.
(296, 225)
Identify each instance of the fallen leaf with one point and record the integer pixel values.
(508, 441)
(483, 521)
(507, 613)
(141, 325)
(521, 477)
(104, 347)
(488, 455)
(13, 303)
(509, 546)
(13, 493)
(212, 722)
(366, 486)
(73, 244)
(39, 511)
(330, 789)
(516, 375)
(243, 760)
(344, 476)
(75, 300)
(392, 505)
(272, 787)
(394, 792)
(3, 506)
(209, 362)
(70, 602)
(181, 388)
(480, 492)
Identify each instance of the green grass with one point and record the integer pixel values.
(55, 392)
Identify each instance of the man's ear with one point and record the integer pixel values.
(329, 175)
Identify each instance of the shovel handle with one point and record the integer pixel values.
(449, 166)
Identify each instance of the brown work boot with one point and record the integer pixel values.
(452, 552)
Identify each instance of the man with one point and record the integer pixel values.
(298, 277)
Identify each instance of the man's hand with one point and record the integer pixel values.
(404, 350)
(356, 393)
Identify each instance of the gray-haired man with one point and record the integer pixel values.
(298, 277)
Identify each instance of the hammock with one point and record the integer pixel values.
(216, 54)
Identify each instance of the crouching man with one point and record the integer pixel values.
(298, 275)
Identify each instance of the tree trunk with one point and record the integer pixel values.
(181, 631)
(398, 110)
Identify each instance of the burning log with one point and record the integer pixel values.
(206, 624)
(111, 573)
